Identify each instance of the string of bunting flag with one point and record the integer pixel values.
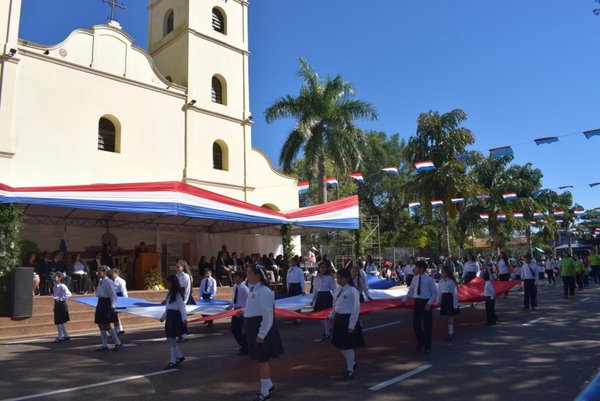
(428, 165)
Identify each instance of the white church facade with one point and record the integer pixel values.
(97, 109)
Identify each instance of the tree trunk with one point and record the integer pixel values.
(446, 232)
(528, 236)
(322, 185)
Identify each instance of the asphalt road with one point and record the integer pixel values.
(546, 355)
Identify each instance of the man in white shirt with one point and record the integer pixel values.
(423, 290)
(240, 296)
(529, 273)
(208, 289)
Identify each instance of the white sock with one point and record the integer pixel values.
(349, 356)
(178, 353)
(59, 329)
(450, 329)
(104, 337)
(115, 337)
(173, 354)
(327, 323)
(265, 385)
(64, 329)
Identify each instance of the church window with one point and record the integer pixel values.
(169, 22)
(218, 90)
(108, 135)
(220, 156)
(218, 20)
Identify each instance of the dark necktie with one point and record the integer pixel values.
(206, 286)
(419, 286)
(235, 296)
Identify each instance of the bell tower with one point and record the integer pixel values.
(203, 45)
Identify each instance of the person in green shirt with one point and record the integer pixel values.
(567, 273)
(579, 271)
(595, 265)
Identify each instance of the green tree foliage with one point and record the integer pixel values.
(10, 225)
(325, 113)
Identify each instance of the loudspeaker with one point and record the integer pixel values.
(22, 305)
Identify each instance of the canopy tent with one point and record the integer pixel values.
(171, 205)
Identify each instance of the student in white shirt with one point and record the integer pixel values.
(371, 267)
(347, 330)
(409, 272)
(448, 298)
(295, 279)
(106, 309)
(240, 297)
(208, 290)
(261, 331)
(121, 291)
(530, 276)
(423, 290)
(490, 300)
(323, 288)
(176, 317)
(470, 269)
(185, 282)
(60, 293)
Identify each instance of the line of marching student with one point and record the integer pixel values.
(254, 327)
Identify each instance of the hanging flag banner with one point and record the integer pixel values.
(357, 176)
(331, 181)
(509, 196)
(545, 140)
(538, 214)
(463, 158)
(501, 151)
(579, 212)
(559, 222)
(391, 170)
(501, 216)
(566, 186)
(424, 166)
(591, 133)
(594, 184)
(533, 222)
(536, 193)
(413, 205)
(483, 197)
(303, 187)
(437, 203)
(484, 216)
(457, 201)
(559, 213)
(518, 215)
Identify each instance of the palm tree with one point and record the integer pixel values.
(325, 113)
(440, 138)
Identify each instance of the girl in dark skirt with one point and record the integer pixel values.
(323, 288)
(347, 331)
(61, 311)
(261, 332)
(176, 319)
(448, 298)
(106, 309)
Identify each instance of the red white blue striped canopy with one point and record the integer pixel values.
(167, 200)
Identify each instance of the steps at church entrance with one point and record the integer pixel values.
(41, 323)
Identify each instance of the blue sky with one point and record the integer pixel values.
(519, 69)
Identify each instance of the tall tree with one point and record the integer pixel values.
(440, 138)
(325, 128)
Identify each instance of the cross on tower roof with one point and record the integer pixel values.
(113, 4)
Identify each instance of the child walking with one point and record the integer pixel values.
(176, 317)
(106, 309)
(347, 331)
(490, 300)
(121, 291)
(448, 298)
(322, 295)
(61, 311)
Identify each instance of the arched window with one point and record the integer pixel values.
(218, 20)
(220, 156)
(109, 135)
(169, 22)
(218, 90)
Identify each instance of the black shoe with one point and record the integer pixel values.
(179, 360)
(272, 389)
(100, 349)
(426, 351)
(210, 323)
(348, 375)
(66, 338)
(170, 366)
(121, 332)
(355, 367)
(242, 352)
(118, 347)
(182, 340)
(525, 309)
(260, 397)
(450, 337)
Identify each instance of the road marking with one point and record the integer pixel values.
(583, 300)
(382, 325)
(533, 321)
(70, 390)
(399, 378)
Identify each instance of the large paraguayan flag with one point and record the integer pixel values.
(501, 151)
(303, 187)
(357, 177)
(509, 196)
(591, 133)
(391, 170)
(545, 140)
(331, 181)
(424, 166)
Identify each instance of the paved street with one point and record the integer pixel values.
(544, 355)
